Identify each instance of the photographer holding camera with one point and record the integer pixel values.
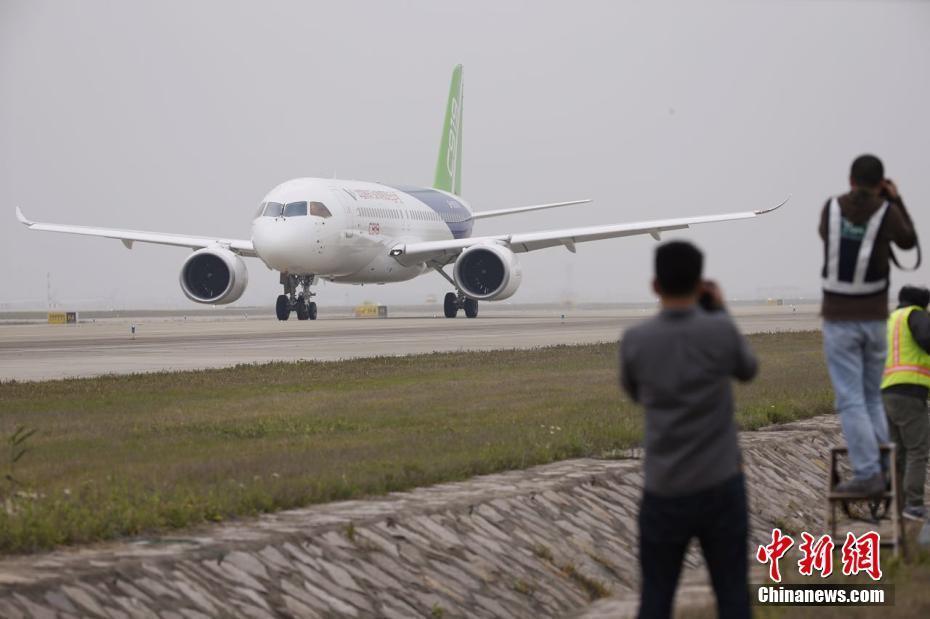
(858, 229)
(679, 366)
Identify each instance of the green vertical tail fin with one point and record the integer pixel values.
(449, 166)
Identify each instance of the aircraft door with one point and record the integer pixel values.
(345, 199)
(348, 203)
(405, 214)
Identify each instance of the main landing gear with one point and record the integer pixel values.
(294, 301)
(456, 301)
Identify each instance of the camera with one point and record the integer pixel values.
(709, 299)
(707, 303)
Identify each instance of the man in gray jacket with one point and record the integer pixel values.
(679, 366)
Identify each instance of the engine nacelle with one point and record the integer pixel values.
(488, 271)
(214, 275)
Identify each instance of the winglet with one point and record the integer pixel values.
(776, 207)
(22, 218)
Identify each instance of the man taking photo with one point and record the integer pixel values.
(858, 229)
(679, 366)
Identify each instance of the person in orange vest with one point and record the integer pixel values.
(905, 386)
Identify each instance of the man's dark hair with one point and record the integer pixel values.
(914, 295)
(867, 171)
(678, 268)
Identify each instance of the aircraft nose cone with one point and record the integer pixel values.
(281, 243)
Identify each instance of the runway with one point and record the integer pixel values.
(31, 352)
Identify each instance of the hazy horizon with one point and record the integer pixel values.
(179, 117)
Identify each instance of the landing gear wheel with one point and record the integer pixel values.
(303, 312)
(451, 305)
(283, 307)
(311, 310)
(471, 307)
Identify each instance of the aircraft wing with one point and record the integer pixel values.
(444, 251)
(523, 209)
(128, 237)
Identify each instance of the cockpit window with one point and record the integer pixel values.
(261, 209)
(319, 209)
(295, 209)
(273, 209)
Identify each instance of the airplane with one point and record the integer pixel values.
(359, 232)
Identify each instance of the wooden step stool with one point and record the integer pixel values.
(885, 506)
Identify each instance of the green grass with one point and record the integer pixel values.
(123, 455)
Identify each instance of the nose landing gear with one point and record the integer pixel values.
(282, 307)
(291, 301)
(305, 310)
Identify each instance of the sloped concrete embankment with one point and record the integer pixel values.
(547, 541)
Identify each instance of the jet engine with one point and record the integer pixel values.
(214, 275)
(488, 271)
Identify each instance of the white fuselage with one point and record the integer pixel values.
(350, 227)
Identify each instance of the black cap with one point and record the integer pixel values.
(914, 295)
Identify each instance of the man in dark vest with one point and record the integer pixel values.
(904, 391)
(857, 229)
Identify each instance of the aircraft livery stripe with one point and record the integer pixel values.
(454, 213)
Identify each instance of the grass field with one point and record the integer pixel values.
(123, 455)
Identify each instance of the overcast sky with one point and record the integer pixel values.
(179, 116)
